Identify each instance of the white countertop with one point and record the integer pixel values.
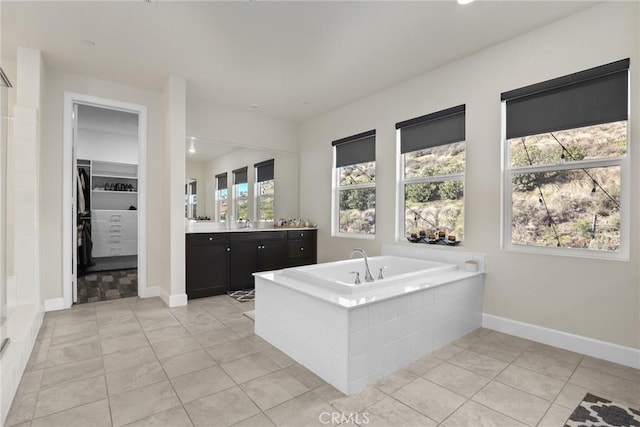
(215, 229)
(350, 301)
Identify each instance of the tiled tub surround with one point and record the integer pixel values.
(353, 340)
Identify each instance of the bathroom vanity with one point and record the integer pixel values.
(221, 261)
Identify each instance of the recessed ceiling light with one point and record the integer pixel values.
(88, 43)
(192, 149)
(464, 1)
(254, 106)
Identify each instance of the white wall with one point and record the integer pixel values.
(51, 181)
(174, 101)
(107, 135)
(285, 176)
(106, 146)
(215, 122)
(593, 298)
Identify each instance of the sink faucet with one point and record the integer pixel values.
(368, 277)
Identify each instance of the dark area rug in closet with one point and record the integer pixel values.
(107, 285)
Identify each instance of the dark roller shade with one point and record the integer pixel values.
(439, 128)
(240, 176)
(264, 170)
(222, 181)
(594, 96)
(360, 148)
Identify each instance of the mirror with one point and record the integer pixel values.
(261, 183)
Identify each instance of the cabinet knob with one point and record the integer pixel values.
(210, 238)
(302, 249)
(301, 234)
(228, 249)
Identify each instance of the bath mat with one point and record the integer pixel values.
(250, 314)
(596, 411)
(243, 295)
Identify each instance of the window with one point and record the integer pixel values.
(566, 164)
(221, 198)
(265, 191)
(354, 179)
(431, 168)
(191, 199)
(240, 195)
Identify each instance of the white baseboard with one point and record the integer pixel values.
(601, 349)
(178, 300)
(54, 304)
(151, 291)
(173, 300)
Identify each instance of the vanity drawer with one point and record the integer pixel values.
(301, 248)
(301, 234)
(258, 236)
(207, 238)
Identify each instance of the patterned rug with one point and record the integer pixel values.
(596, 411)
(107, 285)
(243, 295)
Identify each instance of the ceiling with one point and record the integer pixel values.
(295, 59)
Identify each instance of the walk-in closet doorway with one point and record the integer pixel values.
(105, 200)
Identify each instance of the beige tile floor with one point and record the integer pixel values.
(135, 362)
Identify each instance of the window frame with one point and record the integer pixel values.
(192, 200)
(401, 183)
(218, 201)
(257, 198)
(336, 188)
(453, 136)
(335, 228)
(236, 198)
(506, 208)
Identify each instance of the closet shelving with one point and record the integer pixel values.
(106, 174)
(114, 214)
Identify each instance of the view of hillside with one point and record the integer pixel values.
(576, 199)
(357, 205)
(435, 206)
(551, 208)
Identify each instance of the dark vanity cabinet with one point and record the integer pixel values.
(252, 252)
(301, 247)
(207, 264)
(221, 262)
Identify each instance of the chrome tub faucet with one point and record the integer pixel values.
(368, 277)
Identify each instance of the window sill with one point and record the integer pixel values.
(568, 252)
(435, 246)
(354, 236)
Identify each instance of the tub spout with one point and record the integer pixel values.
(368, 277)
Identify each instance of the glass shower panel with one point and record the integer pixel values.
(4, 89)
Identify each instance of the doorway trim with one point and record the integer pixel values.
(71, 98)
